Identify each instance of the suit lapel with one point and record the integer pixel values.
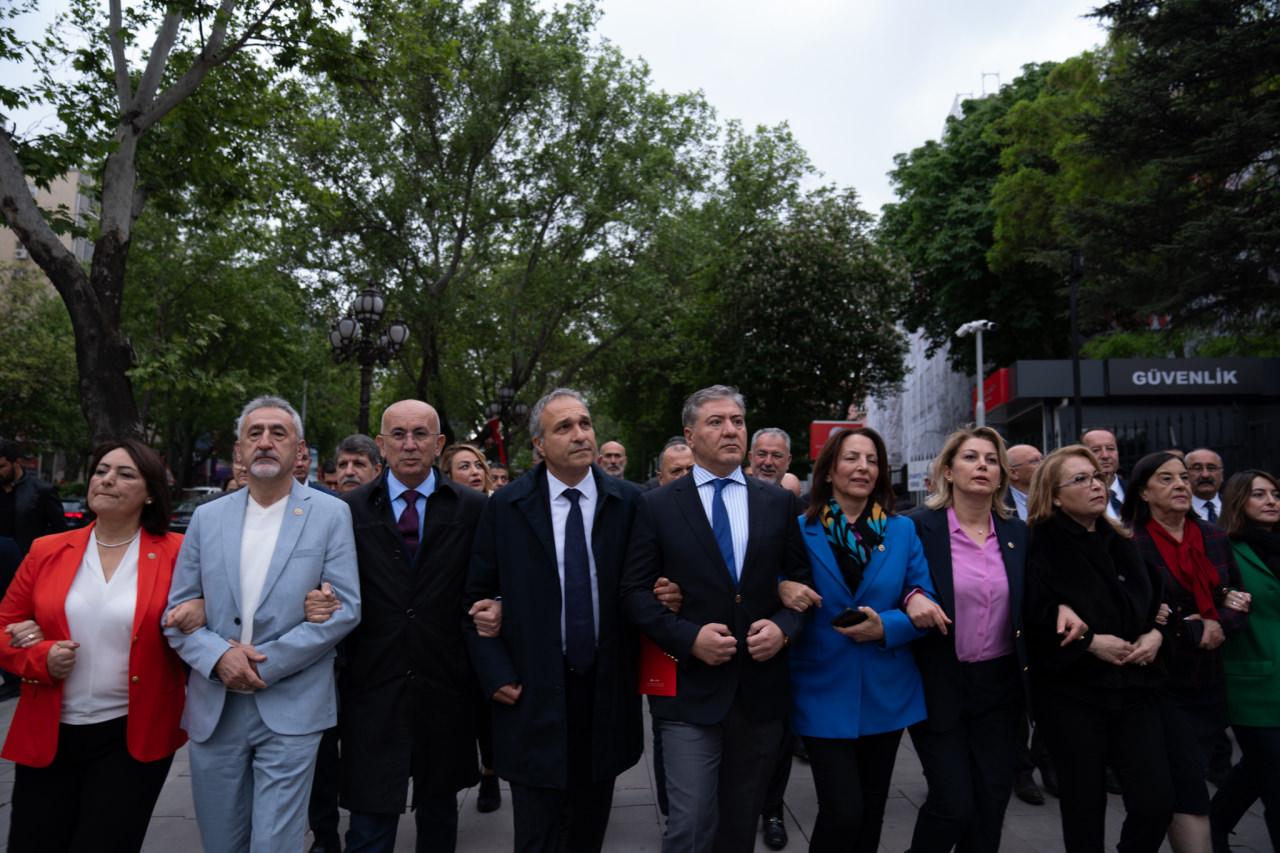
(149, 550)
(1246, 551)
(816, 538)
(536, 508)
(757, 509)
(686, 495)
(296, 512)
(937, 540)
(1012, 558)
(231, 520)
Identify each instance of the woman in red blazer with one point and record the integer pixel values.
(97, 723)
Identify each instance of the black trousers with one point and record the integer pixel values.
(970, 766)
(95, 796)
(1084, 739)
(571, 819)
(852, 780)
(1255, 776)
(322, 808)
(777, 790)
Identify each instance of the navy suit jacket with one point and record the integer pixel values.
(935, 653)
(672, 538)
(514, 557)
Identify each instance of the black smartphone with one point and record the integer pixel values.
(849, 618)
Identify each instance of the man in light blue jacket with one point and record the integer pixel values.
(261, 689)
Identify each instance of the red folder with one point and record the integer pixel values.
(657, 670)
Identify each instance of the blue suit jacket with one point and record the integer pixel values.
(845, 689)
(315, 545)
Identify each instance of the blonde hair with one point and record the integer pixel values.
(1044, 484)
(942, 496)
(446, 462)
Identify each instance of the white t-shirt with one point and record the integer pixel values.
(261, 530)
(100, 617)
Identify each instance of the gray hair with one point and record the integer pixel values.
(772, 431)
(699, 398)
(675, 442)
(267, 401)
(360, 444)
(535, 415)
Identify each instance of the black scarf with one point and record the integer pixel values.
(1265, 543)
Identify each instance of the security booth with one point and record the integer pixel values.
(1231, 405)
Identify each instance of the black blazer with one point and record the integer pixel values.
(515, 557)
(936, 654)
(406, 685)
(37, 511)
(672, 538)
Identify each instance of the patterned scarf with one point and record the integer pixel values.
(856, 541)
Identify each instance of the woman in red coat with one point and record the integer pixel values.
(97, 723)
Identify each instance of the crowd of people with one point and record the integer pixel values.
(419, 623)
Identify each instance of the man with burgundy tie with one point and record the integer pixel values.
(726, 540)
(562, 671)
(407, 689)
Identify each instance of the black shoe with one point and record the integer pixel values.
(1049, 780)
(1112, 783)
(490, 796)
(1027, 790)
(775, 832)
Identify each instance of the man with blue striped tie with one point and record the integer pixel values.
(725, 539)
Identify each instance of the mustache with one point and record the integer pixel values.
(266, 454)
(350, 478)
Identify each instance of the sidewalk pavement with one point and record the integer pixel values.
(636, 827)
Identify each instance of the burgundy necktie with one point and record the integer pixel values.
(408, 524)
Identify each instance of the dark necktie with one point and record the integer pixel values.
(1115, 502)
(1210, 513)
(408, 524)
(579, 618)
(721, 528)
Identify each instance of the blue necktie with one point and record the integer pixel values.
(579, 616)
(1211, 514)
(721, 528)
(1116, 505)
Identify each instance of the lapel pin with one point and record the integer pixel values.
(298, 511)
(1010, 544)
(151, 555)
(880, 547)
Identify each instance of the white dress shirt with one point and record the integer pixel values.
(1019, 502)
(100, 617)
(261, 530)
(1116, 488)
(1200, 506)
(735, 501)
(560, 506)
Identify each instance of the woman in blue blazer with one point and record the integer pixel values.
(855, 687)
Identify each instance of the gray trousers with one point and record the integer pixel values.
(250, 784)
(716, 782)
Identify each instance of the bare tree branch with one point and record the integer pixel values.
(124, 91)
(156, 62)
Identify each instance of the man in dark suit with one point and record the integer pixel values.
(725, 540)
(1102, 444)
(562, 672)
(406, 687)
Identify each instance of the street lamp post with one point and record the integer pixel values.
(977, 327)
(358, 336)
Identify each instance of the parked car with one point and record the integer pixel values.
(75, 511)
(180, 518)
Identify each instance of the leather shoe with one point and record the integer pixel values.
(1027, 790)
(490, 797)
(775, 832)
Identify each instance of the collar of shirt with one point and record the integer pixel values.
(701, 476)
(395, 488)
(587, 485)
(1019, 501)
(1198, 504)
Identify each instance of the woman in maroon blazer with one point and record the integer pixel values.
(97, 723)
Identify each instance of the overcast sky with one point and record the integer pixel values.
(857, 80)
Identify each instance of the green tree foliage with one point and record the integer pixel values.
(943, 228)
(1190, 120)
(493, 170)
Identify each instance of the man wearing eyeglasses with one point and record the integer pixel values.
(1205, 468)
(407, 689)
(1024, 460)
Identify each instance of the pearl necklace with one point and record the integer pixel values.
(102, 544)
